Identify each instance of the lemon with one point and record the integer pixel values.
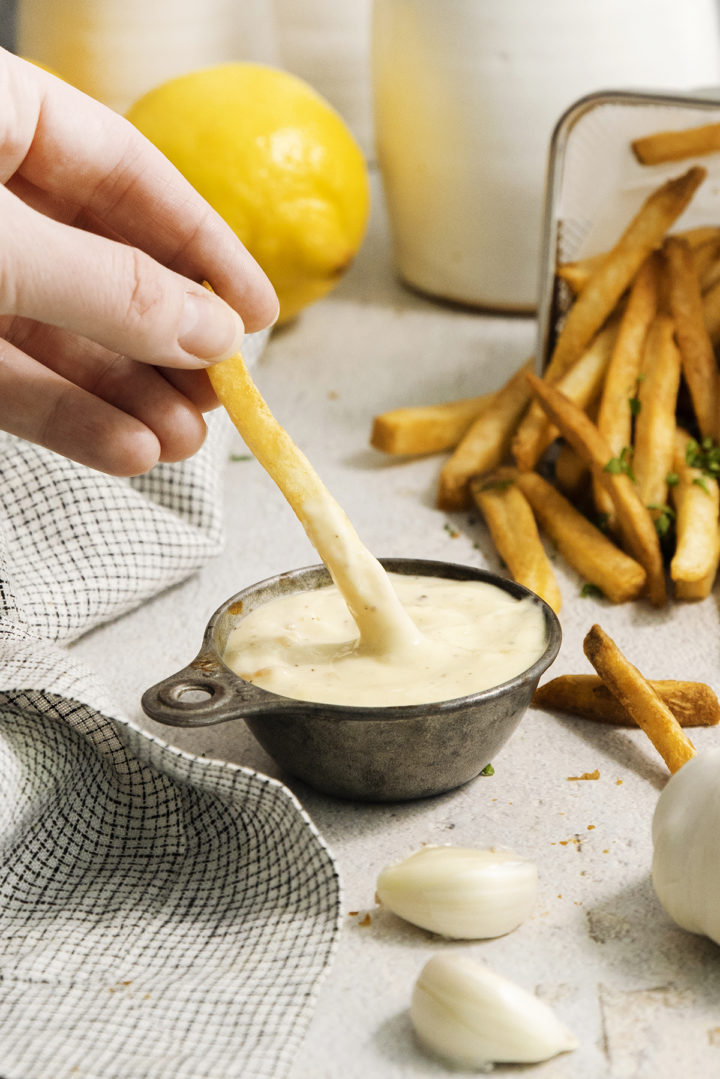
(275, 161)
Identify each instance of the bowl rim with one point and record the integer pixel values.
(409, 567)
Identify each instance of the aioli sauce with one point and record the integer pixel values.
(471, 636)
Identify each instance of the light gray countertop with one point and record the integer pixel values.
(640, 994)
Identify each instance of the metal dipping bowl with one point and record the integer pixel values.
(370, 754)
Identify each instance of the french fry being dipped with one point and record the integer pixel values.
(634, 520)
(638, 698)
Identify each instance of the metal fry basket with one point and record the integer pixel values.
(595, 185)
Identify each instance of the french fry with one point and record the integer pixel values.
(638, 698)
(602, 292)
(698, 359)
(584, 547)
(485, 443)
(693, 704)
(578, 272)
(571, 472)
(581, 383)
(696, 498)
(615, 416)
(634, 520)
(655, 424)
(614, 273)
(664, 146)
(511, 523)
(426, 428)
(706, 260)
(711, 312)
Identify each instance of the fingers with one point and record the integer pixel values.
(116, 295)
(39, 405)
(172, 412)
(83, 151)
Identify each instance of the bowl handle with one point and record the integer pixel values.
(201, 694)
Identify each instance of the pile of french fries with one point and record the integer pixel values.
(621, 695)
(614, 453)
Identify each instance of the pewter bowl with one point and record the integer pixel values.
(365, 753)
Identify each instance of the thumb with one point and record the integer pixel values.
(109, 292)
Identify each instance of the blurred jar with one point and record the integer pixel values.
(466, 95)
(116, 50)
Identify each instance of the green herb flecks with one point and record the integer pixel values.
(590, 590)
(665, 517)
(617, 465)
(488, 770)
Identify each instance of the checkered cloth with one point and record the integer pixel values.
(162, 916)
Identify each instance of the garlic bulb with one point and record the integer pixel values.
(471, 1016)
(459, 892)
(686, 840)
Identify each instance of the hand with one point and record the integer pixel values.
(104, 325)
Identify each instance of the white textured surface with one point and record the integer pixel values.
(640, 994)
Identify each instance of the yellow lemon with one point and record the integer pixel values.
(276, 161)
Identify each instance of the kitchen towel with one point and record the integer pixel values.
(162, 916)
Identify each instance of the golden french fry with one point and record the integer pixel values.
(615, 272)
(511, 524)
(711, 312)
(584, 547)
(486, 442)
(706, 260)
(696, 498)
(426, 428)
(619, 393)
(570, 472)
(698, 359)
(581, 383)
(602, 292)
(693, 704)
(664, 146)
(636, 526)
(577, 273)
(654, 448)
(638, 698)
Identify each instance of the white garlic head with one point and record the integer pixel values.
(459, 892)
(464, 1012)
(686, 842)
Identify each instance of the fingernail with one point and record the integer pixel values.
(209, 328)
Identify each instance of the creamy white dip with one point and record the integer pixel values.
(470, 636)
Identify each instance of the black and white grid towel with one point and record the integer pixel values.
(161, 916)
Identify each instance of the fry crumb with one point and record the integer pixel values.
(585, 775)
(366, 920)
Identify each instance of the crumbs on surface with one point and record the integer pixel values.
(585, 775)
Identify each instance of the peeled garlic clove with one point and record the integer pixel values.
(469, 1015)
(459, 892)
(686, 842)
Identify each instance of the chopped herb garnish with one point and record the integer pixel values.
(451, 530)
(672, 479)
(591, 590)
(488, 770)
(620, 464)
(704, 455)
(665, 516)
(635, 406)
(241, 457)
(700, 482)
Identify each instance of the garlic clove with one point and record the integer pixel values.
(686, 845)
(464, 1012)
(459, 892)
